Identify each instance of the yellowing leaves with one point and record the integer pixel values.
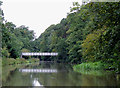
(90, 44)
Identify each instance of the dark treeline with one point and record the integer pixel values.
(90, 33)
(14, 39)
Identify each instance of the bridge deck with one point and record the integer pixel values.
(38, 54)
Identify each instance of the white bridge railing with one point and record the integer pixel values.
(38, 54)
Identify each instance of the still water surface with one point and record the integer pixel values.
(56, 74)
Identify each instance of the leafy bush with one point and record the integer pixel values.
(12, 61)
(89, 66)
(8, 61)
(32, 60)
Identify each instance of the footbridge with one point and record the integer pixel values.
(38, 54)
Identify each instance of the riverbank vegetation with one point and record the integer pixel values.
(12, 61)
(14, 40)
(94, 68)
(7, 70)
(89, 36)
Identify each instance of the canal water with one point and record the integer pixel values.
(55, 74)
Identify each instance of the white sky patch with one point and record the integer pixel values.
(36, 14)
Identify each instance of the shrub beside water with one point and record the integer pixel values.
(12, 61)
(8, 61)
(33, 60)
(89, 66)
(92, 68)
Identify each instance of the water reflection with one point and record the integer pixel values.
(36, 82)
(57, 74)
(39, 70)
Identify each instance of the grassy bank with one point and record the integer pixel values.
(10, 64)
(93, 68)
(12, 61)
(8, 69)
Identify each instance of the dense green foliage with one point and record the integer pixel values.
(12, 61)
(1, 21)
(92, 68)
(90, 33)
(53, 40)
(14, 39)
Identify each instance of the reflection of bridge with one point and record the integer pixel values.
(38, 54)
(38, 70)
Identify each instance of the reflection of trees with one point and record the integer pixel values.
(91, 80)
(64, 77)
(9, 74)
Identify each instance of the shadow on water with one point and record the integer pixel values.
(56, 74)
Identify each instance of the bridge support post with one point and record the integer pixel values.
(21, 56)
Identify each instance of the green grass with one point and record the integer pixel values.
(12, 61)
(91, 68)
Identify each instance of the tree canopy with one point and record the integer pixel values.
(89, 33)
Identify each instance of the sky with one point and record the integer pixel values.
(38, 15)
